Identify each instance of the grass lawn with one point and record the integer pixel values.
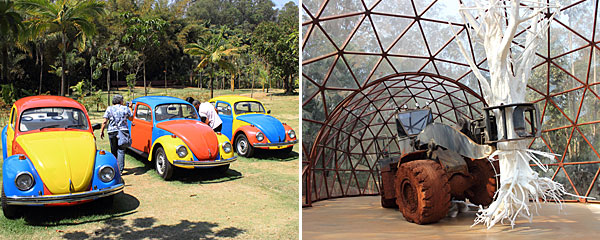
(256, 199)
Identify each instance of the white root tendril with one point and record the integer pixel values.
(519, 184)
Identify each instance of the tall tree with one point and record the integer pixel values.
(142, 34)
(72, 19)
(10, 24)
(217, 53)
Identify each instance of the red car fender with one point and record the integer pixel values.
(250, 132)
(287, 137)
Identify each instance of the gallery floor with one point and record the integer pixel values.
(364, 218)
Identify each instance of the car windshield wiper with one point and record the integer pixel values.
(49, 126)
(76, 126)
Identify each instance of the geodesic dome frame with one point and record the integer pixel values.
(363, 59)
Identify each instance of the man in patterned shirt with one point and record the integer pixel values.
(116, 117)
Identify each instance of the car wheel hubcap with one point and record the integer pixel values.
(160, 163)
(242, 146)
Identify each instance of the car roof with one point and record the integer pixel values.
(153, 101)
(46, 101)
(233, 99)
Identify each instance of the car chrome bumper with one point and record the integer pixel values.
(204, 163)
(275, 144)
(64, 198)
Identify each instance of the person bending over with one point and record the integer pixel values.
(208, 114)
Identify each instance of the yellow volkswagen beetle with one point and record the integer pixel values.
(50, 157)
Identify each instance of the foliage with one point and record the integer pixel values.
(146, 38)
(10, 93)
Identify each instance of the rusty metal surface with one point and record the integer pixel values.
(452, 139)
(451, 161)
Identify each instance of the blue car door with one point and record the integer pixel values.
(226, 114)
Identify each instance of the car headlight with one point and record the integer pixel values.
(227, 147)
(291, 133)
(260, 136)
(182, 151)
(24, 181)
(106, 173)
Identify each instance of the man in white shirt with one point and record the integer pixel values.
(209, 115)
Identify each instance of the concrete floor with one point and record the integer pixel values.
(364, 218)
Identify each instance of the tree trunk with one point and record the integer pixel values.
(252, 87)
(232, 82)
(41, 53)
(4, 63)
(145, 90)
(63, 80)
(108, 82)
(212, 76)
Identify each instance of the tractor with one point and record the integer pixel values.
(436, 163)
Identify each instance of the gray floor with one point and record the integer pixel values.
(364, 218)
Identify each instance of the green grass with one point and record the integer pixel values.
(256, 199)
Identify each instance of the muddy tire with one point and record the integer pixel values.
(163, 166)
(422, 191)
(388, 203)
(243, 146)
(10, 212)
(482, 192)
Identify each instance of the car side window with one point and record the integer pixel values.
(223, 108)
(143, 113)
(12, 118)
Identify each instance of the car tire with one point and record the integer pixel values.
(106, 202)
(10, 212)
(422, 191)
(284, 152)
(243, 146)
(222, 169)
(162, 164)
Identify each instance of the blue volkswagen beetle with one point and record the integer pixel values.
(249, 126)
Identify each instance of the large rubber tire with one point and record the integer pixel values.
(422, 191)
(388, 203)
(10, 212)
(222, 169)
(482, 192)
(243, 146)
(163, 166)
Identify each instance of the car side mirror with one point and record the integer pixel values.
(96, 126)
(268, 111)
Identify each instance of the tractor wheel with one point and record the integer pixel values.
(422, 191)
(163, 166)
(482, 192)
(388, 203)
(10, 212)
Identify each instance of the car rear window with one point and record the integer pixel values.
(52, 117)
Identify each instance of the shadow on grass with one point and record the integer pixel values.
(143, 228)
(205, 176)
(95, 211)
(274, 155)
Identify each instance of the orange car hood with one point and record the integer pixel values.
(199, 137)
(61, 158)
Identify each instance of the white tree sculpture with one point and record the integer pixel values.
(510, 62)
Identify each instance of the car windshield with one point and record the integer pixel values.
(412, 122)
(52, 117)
(248, 107)
(175, 110)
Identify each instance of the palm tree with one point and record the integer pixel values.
(64, 17)
(10, 21)
(217, 53)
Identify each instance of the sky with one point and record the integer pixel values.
(279, 3)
